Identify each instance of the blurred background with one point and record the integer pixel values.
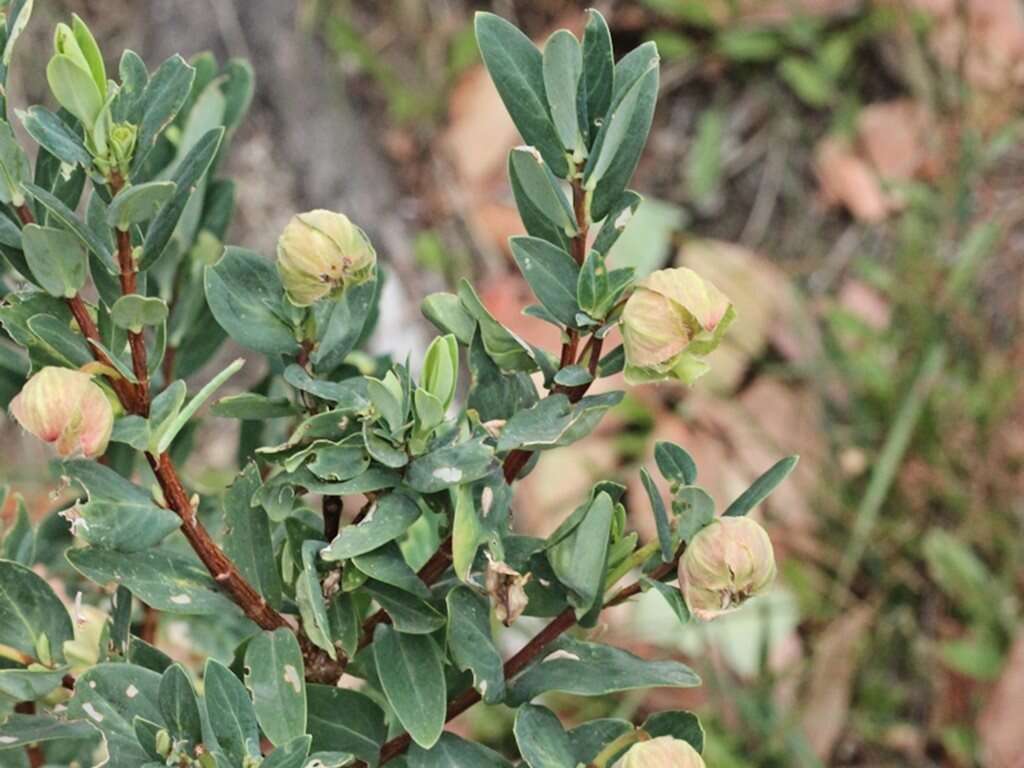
(850, 173)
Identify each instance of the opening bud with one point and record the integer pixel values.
(726, 562)
(662, 752)
(76, 73)
(65, 407)
(320, 253)
(670, 322)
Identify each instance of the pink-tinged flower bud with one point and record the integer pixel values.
(662, 752)
(65, 407)
(726, 562)
(670, 322)
(320, 253)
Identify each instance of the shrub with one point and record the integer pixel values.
(405, 599)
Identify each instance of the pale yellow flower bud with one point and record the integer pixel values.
(727, 562)
(321, 252)
(65, 407)
(662, 752)
(670, 322)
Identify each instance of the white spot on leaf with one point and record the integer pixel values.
(8, 740)
(131, 691)
(448, 474)
(562, 655)
(90, 710)
(181, 599)
(291, 676)
(623, 219)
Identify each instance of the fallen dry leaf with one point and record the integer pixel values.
(847, 180)
(999, 724)
(827, 700)
(894, 136)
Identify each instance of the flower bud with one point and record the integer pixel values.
(441, 369)
(661, 752)
(726, 562)
(65, 407)
(671, 321)
(76, 73)
(321, 252)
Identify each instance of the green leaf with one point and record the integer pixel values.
(388, 564)
(389, 518)
(810, 82)
(29, 684)
(18, 14)
(551, 273)
(180, 707)
(63, 342)
(703, 168)
(19, 540)
(109, 697)
(411, 672)
(539, 222)
(118, 515)
(247, 536)
(128, 103)
(451, 465)
(622, 138)
(30, 610)
(589, 739)
(69, 219)
(471, 645)
(591, 669)
(230, 713)
(133, 312)
(310, 599)
(56, 258)
(507, 350)
(762, 487)
(74, 89)
(516, 67)
(167, 582)
(598, 71)
(247, 299)
(616, 221)
(563, 67)
(493, 394)
(598, 289)
(660, 516)
(409, 614)
(14, 167)
(186, 179)
(672, 596)
(250, 406)
(467, 532)
(542, 741)
(360, 730)
(541, 187)
(275, 675)
(165, 94)
(446, 312)
(290, 755)
(138, 203)
(164, 436)
(21, 731)
(453, 752)
(554, 421)
(580, 559)
(346, 324)
(695, 509)
(675, 464)
(677, 723)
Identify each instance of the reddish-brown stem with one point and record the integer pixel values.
(217, 563)
(34, 752)
(579, 207)
(25, 214)
(136, 339)
(558, 626)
